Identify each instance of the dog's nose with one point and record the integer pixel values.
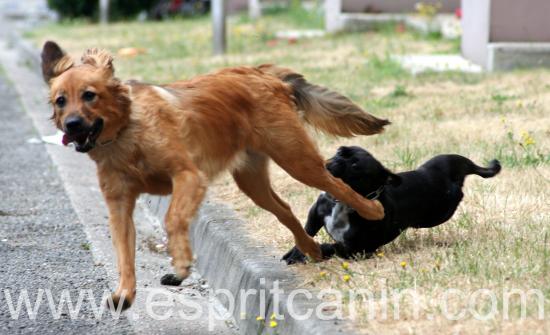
(74, 124)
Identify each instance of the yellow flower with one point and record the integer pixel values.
(345, 265)
(527, 139)
(273, 324)
(273, 316)
(346, 278)
(237, 31)
(259, 318)
(403, 264)
(427, 9)
(323, 274)
(380, 254)
(519, 104)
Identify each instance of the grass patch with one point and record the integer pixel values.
(407, 158)
(297, 15)
(381, 68)
(513, 152)
(399, 91)
(501, 98)
(452, 76)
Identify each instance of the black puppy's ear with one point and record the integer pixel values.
(54, 61)
(393, 179)
(345, 151)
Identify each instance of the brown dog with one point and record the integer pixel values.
(175, 138)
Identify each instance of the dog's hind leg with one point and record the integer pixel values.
(292, 149)
(313, 224)
(253, 180)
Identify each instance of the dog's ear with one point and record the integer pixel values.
(54, 61)
(344, 151)
(101, 59)
(393, 179)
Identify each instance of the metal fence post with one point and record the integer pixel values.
(103, 11)
(218, 23)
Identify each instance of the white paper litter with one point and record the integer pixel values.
(298, 34)
(34, 140)
(56, 138)
(438, 63)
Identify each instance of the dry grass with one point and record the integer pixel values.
(499, 237)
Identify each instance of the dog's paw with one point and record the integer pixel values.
(310, 248)
(182, 269)
(118, 302)
(294, 256)
(374, 211)
(171, 279)
(287, 255)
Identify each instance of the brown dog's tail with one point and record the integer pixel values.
(328, 110)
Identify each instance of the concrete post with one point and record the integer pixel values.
(475, 30)
(103, 11)
(333, 10)
(254, 9)
(218, 24)
(505, 34)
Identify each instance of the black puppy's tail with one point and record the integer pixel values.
(492, 170)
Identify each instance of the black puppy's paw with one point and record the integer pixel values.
(328, 250)
(171, 279)
(294, 256)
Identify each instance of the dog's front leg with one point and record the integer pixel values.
(188, 189)
(121, 208)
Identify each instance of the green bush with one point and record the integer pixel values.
(74, 8)
(119, 9)
(129, 8)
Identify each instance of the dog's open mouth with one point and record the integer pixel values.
(85, 140)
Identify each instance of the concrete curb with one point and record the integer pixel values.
(509, 56)
(353, 22)
(233, 263)
(240, 264)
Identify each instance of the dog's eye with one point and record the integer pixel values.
(88, 96)
(355, 166)
(60, 102)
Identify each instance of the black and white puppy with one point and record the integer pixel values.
(422, 198)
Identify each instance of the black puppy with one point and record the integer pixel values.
(423, 198)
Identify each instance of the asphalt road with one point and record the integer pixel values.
(42, 244)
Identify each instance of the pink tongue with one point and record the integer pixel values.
(65, 139)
